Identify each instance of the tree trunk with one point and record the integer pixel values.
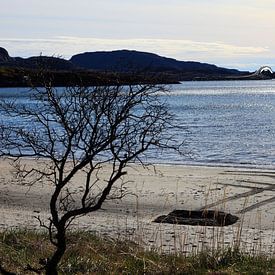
(52, 264)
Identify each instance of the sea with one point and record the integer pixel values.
(222, 123)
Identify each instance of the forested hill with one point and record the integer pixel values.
(134, 61)
(113, 67)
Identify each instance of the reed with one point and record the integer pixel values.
(89, 253)
(196, 240)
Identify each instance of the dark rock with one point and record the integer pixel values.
(205, 218)
(4, 55)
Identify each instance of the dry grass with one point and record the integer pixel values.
(90, 254)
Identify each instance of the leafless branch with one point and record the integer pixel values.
(81, 130)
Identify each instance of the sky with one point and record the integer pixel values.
(235, 34)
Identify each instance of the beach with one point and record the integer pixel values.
(156, 190)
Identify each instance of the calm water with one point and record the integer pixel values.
(228, 122)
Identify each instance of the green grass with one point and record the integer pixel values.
(90, 254)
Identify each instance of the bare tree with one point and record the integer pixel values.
(81, 129)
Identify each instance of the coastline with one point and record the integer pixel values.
(158, 190)
(216, 165)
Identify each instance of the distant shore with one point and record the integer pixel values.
(16, 77)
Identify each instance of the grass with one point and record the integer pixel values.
(91, 254)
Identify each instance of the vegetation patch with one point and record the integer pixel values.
(91, 254)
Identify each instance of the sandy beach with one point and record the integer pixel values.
(155, 191)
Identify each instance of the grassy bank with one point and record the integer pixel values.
(90, 254)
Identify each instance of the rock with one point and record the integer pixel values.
(204, 218)
(4, 55)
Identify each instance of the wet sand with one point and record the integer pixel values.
(155, 191)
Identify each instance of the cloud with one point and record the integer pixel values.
(66, 46)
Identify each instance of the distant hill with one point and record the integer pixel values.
(47, 62)
(134, 61)
(4, 55)
(35, 62)
(111, 68)
(121, 61)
